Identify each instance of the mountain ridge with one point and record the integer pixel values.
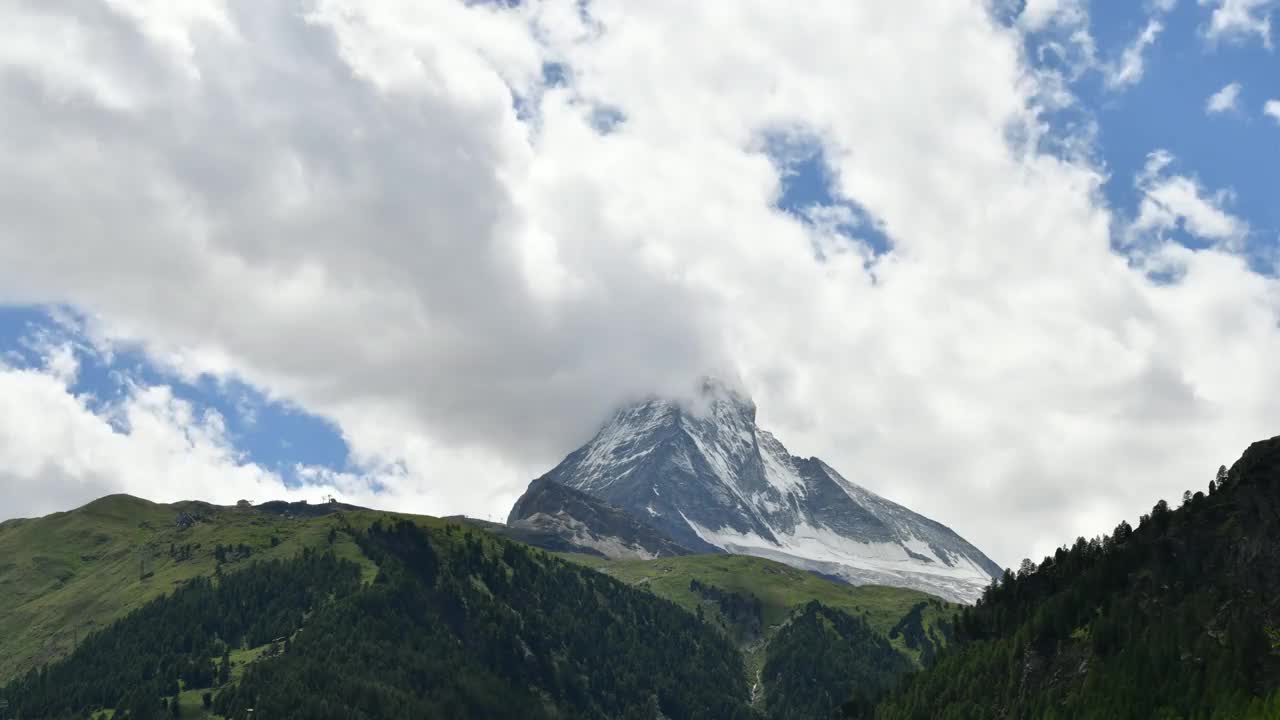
(703, 473)
(557, 517)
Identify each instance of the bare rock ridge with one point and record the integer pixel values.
(704, 477)
(553, 515)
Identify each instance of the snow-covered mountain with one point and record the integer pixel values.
(705, 475)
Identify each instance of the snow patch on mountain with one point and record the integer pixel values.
(778, 468)
(882, 563)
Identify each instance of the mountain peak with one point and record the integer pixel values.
(714, 394)
(700, 471)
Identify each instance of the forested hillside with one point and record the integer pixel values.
(825, 659)
(68, 574)
(1176, 618)
(702, 582)
(456, 624)
(807, 642)
(482, 629)
(142, 663)
(250, 605)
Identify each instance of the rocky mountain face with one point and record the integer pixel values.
(557, 517)
(703, 474)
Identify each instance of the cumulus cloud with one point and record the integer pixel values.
(64, 445)
(1272, 109)
(381, 212)
(1037, 15)
(1223, 100)
(59, 453)
(1239, 20)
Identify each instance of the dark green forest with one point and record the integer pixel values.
(742, 615)
(494, 630)
(458, 625)
(1176, 618)
(186, 636)
(825, 662)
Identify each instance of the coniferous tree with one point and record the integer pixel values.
(1168, 620)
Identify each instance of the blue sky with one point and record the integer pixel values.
(1235, 150)
(277, 436)
(1166, 109)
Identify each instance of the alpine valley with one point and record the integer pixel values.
(124, 608)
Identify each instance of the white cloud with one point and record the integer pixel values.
(1223, 100)
(1239, 20)
(59, 454)
(1272, 109)
(64, 448)
(377, 212)
(1037, 15)
(1131, 66)
(1172, 201)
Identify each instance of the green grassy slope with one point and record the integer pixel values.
(781, 588)
(64, 575)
